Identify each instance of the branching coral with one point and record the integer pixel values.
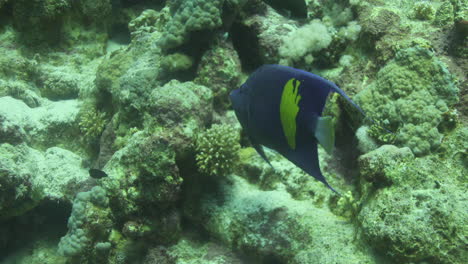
(92, 123)
(217, 149)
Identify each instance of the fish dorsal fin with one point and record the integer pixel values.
(325, 133)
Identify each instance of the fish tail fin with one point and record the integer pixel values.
(325, 133)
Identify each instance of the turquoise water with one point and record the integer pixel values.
(119, 144)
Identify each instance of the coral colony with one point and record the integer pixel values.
(120, 142)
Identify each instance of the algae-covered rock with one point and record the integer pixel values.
(129, 76)
(97, 10)
(272, 227)
(378, 21)
(192, 250)
(445, 14)
(413, 209)
(418, 225)
(175, 102)
(40, 21)
(13, 66)
(59, 85)
(46, 21)
(176, 62)
(424, 11)
(22, 91)
(44, 126)
(109, 71)
(18, 194)
(143, 187)
(220, 69)
(2, 2)
(142, 174)
(148, 21)
(376, 166)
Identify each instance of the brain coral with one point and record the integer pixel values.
(410, 96)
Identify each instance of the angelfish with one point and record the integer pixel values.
(281, 108)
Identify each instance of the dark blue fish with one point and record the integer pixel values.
(97, 174)
(281, 108)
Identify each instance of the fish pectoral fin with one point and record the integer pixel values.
(261, 152)
(325, 133)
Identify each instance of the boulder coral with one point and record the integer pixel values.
(89, 226)
(410, 96)
(190, 16)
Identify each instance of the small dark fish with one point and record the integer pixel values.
(97, 174)
(281, 108)
(297, 8)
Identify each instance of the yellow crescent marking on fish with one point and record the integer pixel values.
(289, 108)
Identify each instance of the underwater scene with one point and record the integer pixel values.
(233, 132)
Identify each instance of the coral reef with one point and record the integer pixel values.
(288, 229)
(88, 224)
(410, 95)
(190, 16)
(217, 150)
(301, 41)
(219, 68)
(140, 90)
(92, 124)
